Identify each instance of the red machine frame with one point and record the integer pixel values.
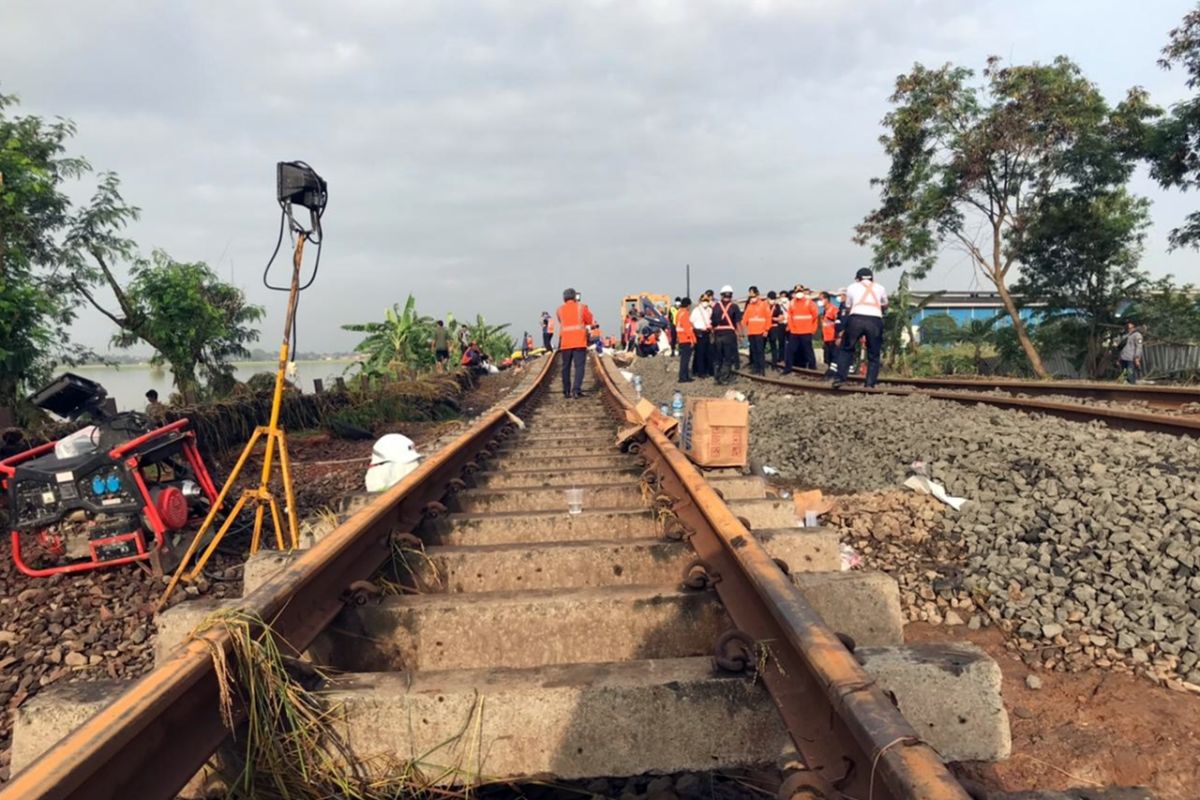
(132, 463)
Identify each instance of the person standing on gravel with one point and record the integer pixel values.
(701, 324)
(726, 317)
(802, 324)
(1131, 351)
(441, 345)
(547, 331)
(829, 320)
(574, 319)
(865, 301)
(686, 336)
(758, 323)
(777, 338)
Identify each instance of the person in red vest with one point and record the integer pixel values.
(829, 332)
(802, 324)
(685, 334)
(547, 331)
(758, 321)
(574, 319)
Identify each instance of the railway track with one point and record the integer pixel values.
(530, 641)
(1114, 415)
(1161, 397)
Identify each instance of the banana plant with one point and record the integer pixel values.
(397, 346)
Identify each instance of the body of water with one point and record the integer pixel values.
(128, 383)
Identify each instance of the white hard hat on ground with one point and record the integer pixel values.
(392, 457)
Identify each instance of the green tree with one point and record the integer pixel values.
(898, 341)
(1172, 144)
(1079, 257)
(1167, 311)
(37, 301)
(978, 334)
(970, 164)
(398, 345)
(938, 329)
(196, 323)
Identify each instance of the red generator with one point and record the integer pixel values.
(114, 492)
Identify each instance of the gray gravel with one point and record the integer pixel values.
(1081, 540)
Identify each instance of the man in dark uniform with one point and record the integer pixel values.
(726, 317)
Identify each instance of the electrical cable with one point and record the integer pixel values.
(315, 234)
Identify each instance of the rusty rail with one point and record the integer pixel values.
(1165, 397)
(850, 735)
(149, 741)
(1079, 412)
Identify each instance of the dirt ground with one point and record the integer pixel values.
(1090, 728)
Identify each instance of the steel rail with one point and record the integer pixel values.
(1155, 396)
(852, 738)
(156, 735)
(1078, 412)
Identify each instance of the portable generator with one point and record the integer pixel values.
(113, 492)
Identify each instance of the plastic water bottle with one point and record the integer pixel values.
(665, 411)
(637, 385)
(677, 405)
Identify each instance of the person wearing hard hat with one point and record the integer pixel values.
(726, 317)
(865, 303)
(574, 319)
(829, 318)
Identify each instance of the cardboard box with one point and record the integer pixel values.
(716, 433)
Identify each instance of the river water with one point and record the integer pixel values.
(128, 383)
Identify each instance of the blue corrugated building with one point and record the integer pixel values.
(966, 306)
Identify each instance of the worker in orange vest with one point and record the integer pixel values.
(685, 334)
(547, 331)
(829, 332)
(802, 324)
(757, 319)
(573, 321)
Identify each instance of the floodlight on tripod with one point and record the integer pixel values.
(297, 184)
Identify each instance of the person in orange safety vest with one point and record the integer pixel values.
(574, 318)
(802, 324)
(547, 331)
(757, 319)
(685, 335)
(829, 332)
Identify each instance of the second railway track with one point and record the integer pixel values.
(530, 642)
(1121, 413)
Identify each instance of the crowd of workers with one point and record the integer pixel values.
(781, 330)
(705, 337)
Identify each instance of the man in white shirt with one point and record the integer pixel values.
(866, 301)
(702, 323)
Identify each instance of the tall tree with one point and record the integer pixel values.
(196, 323)
(970, 164)
(37, 304)
(1079, 257)
(1173, 143)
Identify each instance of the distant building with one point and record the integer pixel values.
(966, 306)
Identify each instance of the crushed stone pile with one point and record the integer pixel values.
(1079, 540)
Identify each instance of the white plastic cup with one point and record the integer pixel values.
(810, 519)
(574, 500)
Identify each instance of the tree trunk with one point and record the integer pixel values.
(1035, 360)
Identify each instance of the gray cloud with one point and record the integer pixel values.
(483, 156)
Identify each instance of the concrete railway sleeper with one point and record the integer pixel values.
(679, 622)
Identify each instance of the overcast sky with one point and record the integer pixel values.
(484, 156)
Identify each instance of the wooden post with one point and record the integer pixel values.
(318, 386)
(341, 383)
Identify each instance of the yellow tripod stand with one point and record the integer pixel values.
(260, 496)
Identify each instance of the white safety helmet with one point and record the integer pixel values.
(393, 448)
(726, 289)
